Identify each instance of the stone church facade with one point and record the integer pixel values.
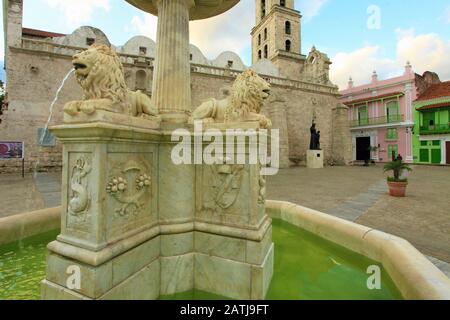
(36, 62)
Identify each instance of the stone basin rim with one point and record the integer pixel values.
(203, 9)
(415, 276)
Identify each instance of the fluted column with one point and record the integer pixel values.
(172, 76)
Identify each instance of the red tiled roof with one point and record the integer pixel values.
(435, 106)
(40, 33)
(392, 94)
(436, 91)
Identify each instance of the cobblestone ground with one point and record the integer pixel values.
(360, 194)
(354, 193)
(18, 195)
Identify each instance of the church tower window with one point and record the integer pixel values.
(263, 8)
(287, 27)
(266, 51)
(283, 3)
(288, 45)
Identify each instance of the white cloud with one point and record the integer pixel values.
(359, 64)
(146, 25)
(424, 51)
(310, 8)
(77, 12)
(213, 36)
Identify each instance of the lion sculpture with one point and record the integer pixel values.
(100, 75)
(243, 104)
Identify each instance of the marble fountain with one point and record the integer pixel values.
(135, 224)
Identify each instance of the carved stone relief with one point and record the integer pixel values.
(79, 200)
(223, 184)
(128, 185)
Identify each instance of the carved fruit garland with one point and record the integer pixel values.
(130, 197)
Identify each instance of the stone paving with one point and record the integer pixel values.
(353, 193)
(360, 194)
(18, 195)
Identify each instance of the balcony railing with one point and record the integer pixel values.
(436, 129)
(377, 121)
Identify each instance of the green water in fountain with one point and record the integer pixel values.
(22, 267)
(306, 268)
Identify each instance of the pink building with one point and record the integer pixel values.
(381, 115)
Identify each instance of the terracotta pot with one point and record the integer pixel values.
(397, 189)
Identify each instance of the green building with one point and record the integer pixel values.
(431, 141)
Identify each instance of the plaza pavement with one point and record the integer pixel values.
(356, 194)
(360, 194)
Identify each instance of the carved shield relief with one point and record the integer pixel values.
(224, 191)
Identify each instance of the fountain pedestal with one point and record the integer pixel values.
(137, 226)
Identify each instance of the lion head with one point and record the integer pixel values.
(248, 93)
(100, 74)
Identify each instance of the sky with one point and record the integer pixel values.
(360, 36)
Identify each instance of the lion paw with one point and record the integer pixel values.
(72, 108)
(87, 107)
(265, 123)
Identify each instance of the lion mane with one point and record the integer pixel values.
(246, 96)
(244, 102)
(100, 74)
(106, 78)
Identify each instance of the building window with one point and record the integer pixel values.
(191, 57)
(90, 41)
(142, 51)
(392, 112)
(363, 116)
(391, 134)
(288, 45)
(265, 34)
(287, 27)
(259, 55)
(45, 138)
(259, 39)
(266, 51)
(230, 64)
(283, 3)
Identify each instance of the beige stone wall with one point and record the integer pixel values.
(341, 136)
(34, 77)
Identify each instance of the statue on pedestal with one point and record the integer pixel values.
(315, 138)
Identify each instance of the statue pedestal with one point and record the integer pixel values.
(314, 159)
(137, 226)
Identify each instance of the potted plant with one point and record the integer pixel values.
(397, 184)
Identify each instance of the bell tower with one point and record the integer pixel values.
(277, 36)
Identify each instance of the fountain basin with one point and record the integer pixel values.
(200, 9)
(317, 257)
